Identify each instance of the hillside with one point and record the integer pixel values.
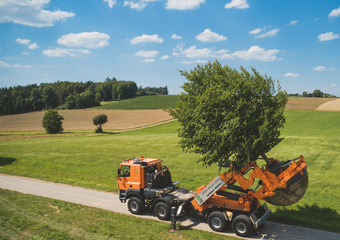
(143, 102)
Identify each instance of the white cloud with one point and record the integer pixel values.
(320, 68)
(253, 53)
(7, 65)
(328, 36)
(323, 68)
(25, 53)
(208, 36)
(197, 61)
(85, 39)
(292, 75)
(257, 53)
(149, 60)
(333, 85)
(30, 13)
(27, 42)
(175, 36)
(193, 52)
(146, 54)
(138, 5)
(238, 4)
(33, 46)
(146, 38)
(335, 13)
(62, 52)
(23, 41)
(165, 57)
(257, 31)
(270, 33)
(183, 4)
(293, 23)
(111, 3)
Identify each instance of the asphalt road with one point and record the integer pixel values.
(110, 201)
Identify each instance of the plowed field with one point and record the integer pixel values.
(82, 120)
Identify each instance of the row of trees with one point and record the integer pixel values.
(316, 93)
(68, 95)
(152, 91)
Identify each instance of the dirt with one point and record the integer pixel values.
(82, 120)
(306, 103)
(333, 105)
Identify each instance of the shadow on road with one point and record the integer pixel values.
(6, 161)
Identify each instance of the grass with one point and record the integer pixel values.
(91, 161)
(25, 216)
(143, 102)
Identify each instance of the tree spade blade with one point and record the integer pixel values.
(296, 188)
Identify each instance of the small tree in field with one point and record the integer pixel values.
(99, 120)
(229, 116)
(52, 121)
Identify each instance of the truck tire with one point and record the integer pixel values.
(217, 221)
(162, 211)
(135, 205)
(242, 226)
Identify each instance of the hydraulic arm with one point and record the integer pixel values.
(279, 183)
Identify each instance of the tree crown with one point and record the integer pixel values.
(52, 121)
(229, 116)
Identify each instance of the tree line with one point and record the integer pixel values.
(315, 93)
(69, 95)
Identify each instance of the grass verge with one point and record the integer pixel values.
(25, 216)
(91, 161)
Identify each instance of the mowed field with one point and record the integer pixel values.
(120, 116)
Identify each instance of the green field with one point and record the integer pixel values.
(91, 161)
(143, 102)
(25, 216)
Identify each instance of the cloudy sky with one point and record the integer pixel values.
(148, 41)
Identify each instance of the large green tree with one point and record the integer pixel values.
(52, 121)
(229, 116)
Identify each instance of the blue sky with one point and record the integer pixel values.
(148, 41)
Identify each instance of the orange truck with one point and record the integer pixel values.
(146, 184)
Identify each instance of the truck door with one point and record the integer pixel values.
(124, 177)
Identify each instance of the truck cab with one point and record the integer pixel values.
(146, 183)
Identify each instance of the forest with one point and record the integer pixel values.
(69, 95)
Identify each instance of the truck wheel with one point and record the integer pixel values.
(135, 205)
(242, 226)
(162, 211)
(217, 221)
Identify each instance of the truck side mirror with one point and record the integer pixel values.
(118, 171)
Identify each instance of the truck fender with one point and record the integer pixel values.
(133, 193)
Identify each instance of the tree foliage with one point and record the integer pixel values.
(99, 120)
(52, 121)
(229, 116)
(70, 95)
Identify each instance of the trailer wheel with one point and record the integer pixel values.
(135, 205)
(162, 211)
(217, 221)
(242, 226)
